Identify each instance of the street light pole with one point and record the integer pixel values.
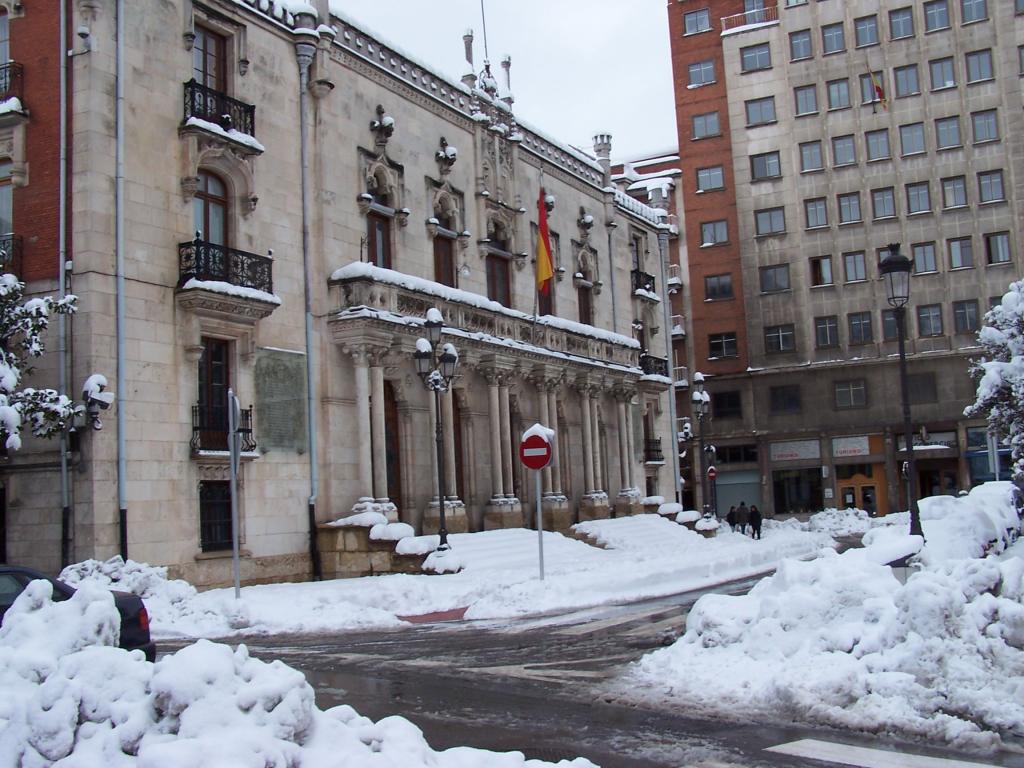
(701, 402)
(895, 271)
(436, 371)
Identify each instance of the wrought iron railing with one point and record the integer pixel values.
(653, 366)
(210, 428)
(215, 107)
(10, 253)
(201, 260)
(652, 449)
(643, 281)
(214, 516)
(756, 16)
(12, 78)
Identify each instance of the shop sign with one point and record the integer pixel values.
(795, 450)
(850, 446)
(935, 440)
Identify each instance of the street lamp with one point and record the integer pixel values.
(701, 406)
(895, 271)
(436, 371)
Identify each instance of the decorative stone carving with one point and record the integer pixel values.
(205, 150)
(446, 156)
(383, 127)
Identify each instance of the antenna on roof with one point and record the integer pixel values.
(483, 19)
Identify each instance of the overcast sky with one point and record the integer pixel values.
(579, 67)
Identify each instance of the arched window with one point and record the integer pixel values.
(210, 209)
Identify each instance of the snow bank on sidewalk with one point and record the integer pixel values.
(71, 696)
(841, 641)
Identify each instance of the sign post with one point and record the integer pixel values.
(235, 449)
(535, 453)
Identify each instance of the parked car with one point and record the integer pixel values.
(134, 617)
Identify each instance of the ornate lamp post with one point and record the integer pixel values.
(436, 371)
(895, 271)
(701, 406)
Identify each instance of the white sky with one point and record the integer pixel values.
(579, 67)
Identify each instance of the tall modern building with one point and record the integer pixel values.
(813, 135)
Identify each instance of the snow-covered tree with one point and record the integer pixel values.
(1000, 373)
(45, 411)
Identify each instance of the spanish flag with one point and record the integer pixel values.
(879, 90)
(545, 269)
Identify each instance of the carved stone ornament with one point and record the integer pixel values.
(585, 222)
(206, 151)
(382, 128)
(446, 157)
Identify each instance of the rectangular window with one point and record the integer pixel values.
(833, 40)
(826, 331)
(919, 199)
(997, 248)
(499, 280)
(979, 66)
(936, 15)
(921, 388)
(844, 151)
(717, 287)
(726, 405)
(806, 98)
(697, 21)
(901, 23)
(929, 320)
(378, 239)
(765, 166)
(821, 271)
(838, 94)
(209, 59)
(760, 111)
(811, 156)
(722, 345)
(878, 144)
(990, 187)
(906, 82)
(714, 232)
(943, 73)
(784, 398)
(849, 207)
(965, 316)
(924, 258)
(444, 260)
(868, 94)
(883, 203)
(770, 221)
(774, 278)
(585, 302)
(954, 192)
(961, 253)
(974, 10)
(855, 266)
(710, 178)
(214, 515)
(890, 325)
(779, 338)
(800, 46)
(755, 57)
(851, 394)
(947, 132)
(706, 125)
(866, 31)
(816, 212)
(985, 126)
(912, 138)
(701, 73)
(859, 324)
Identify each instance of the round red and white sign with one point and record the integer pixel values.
(535, 452)
(712, 472)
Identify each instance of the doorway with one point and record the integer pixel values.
(392, 446)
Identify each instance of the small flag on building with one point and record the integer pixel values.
(879, 90)
(545, 268)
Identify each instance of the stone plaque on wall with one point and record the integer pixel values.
(280, 400)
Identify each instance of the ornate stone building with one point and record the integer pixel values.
(270, 200)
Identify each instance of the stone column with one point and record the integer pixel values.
(588, 443)
(595, 443)
(545, 419)
(449, 444)
(495, 419)
(630, 449)
(362, 374)
(380, 471)
(556, 462)
(508, 487)
(620, 406)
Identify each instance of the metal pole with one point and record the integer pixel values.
(439, 438)
(705, 505)
(234, 449)
(908, 428)
(540, 525)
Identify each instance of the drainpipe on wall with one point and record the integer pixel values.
(62, 322)
(122, 391)
(667, 310)
(305, 48)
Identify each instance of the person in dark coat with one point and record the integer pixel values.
(731, 518)
(742, 517)
(755, 521)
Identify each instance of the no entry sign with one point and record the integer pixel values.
(712, 473)
(535, 452)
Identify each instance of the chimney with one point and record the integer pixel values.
(506, 64)
(603, 150)
(469, 76)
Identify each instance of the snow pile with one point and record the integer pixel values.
(841, 522)
(71, 696)
(840, 641)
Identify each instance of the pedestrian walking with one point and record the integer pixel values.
(731, 518)
(755, 521)
(742, 517)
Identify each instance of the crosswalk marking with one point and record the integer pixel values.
(596, 626)
(865, 757)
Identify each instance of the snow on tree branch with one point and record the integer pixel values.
(45, 411)
(1000, 373)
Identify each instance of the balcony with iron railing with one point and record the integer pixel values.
(678, 325)
(217, 113)
(10, 254)
(737, 21)
(210, 429)
(643, 281)
(653, 366)
(652, 451)
(12, 78)
(225, 280)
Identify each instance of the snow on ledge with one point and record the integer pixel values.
(233, 135)
(363, 519)
(218, 286)
(391, 531)
(11, 104)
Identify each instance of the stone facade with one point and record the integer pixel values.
(250, 248)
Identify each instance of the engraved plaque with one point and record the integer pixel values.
(280, 400)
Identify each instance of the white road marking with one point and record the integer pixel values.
(596, 626)
(864, 757)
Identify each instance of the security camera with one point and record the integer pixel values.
(83, 32)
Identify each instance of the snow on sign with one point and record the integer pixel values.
(712, 473)
(535, 452)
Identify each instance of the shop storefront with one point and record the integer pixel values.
(937, 462)
(980, 467)
(860, 476)
(796, 476)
